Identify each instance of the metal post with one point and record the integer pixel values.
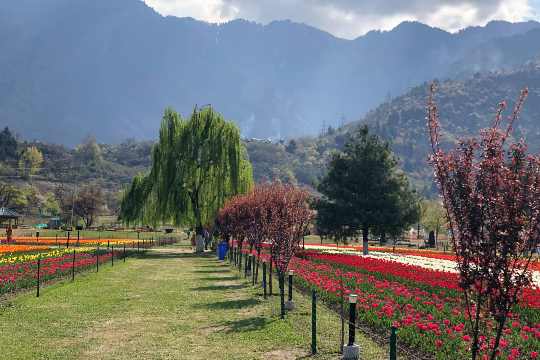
(38, 275)
(73, 267)
(97, 258)
(270, 278)
(124, 252)
(254, 258)
(393, 344)
(112, 255)
(313, 322)
(264, 279)
(352, 318)
(240, 260)
(78, 237)
(67, 244)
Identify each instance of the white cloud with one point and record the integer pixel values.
(351, 18)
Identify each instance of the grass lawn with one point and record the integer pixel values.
(168, 304)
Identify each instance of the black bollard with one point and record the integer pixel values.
(352, 318)
(291, 274)
(393, 343)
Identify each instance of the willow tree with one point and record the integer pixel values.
(197, 164)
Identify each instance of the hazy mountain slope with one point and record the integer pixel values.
(466, 106)
(69, 68)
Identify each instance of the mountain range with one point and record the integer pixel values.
(73, 68)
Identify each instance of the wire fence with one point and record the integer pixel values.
(45, 269)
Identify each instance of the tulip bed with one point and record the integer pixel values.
(23, 274)
(63, 241)
(422, 253)
(10, 249)
(425, 304)
(32, 255)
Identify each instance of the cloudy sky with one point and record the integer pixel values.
(351, 18)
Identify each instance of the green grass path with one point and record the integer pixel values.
(168, 304)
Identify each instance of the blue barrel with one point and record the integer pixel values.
(222, 250)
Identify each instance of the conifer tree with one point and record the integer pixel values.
(366, 188)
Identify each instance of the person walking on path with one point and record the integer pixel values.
(9, 234)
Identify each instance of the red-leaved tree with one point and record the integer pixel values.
(274, 213)
(290, 217)
(491, 191)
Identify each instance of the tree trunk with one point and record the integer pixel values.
(497, 339)
(281, 277)
(240, 258)
(197, 214)
(257, 268)
(476, 329)
(246, 266)
(437, 234)
(382, 239)
(365, 233)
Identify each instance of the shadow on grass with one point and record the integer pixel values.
(219, 278)
(249, 324)
(230, 304)
(213, 265)
(172, 255)
(219, 287)
(224, 270)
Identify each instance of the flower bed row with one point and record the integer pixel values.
(63, 241)
(423, 258)
(23, 275)
(10, 249)
(425, 304)
(427, 253)
(20, 257)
